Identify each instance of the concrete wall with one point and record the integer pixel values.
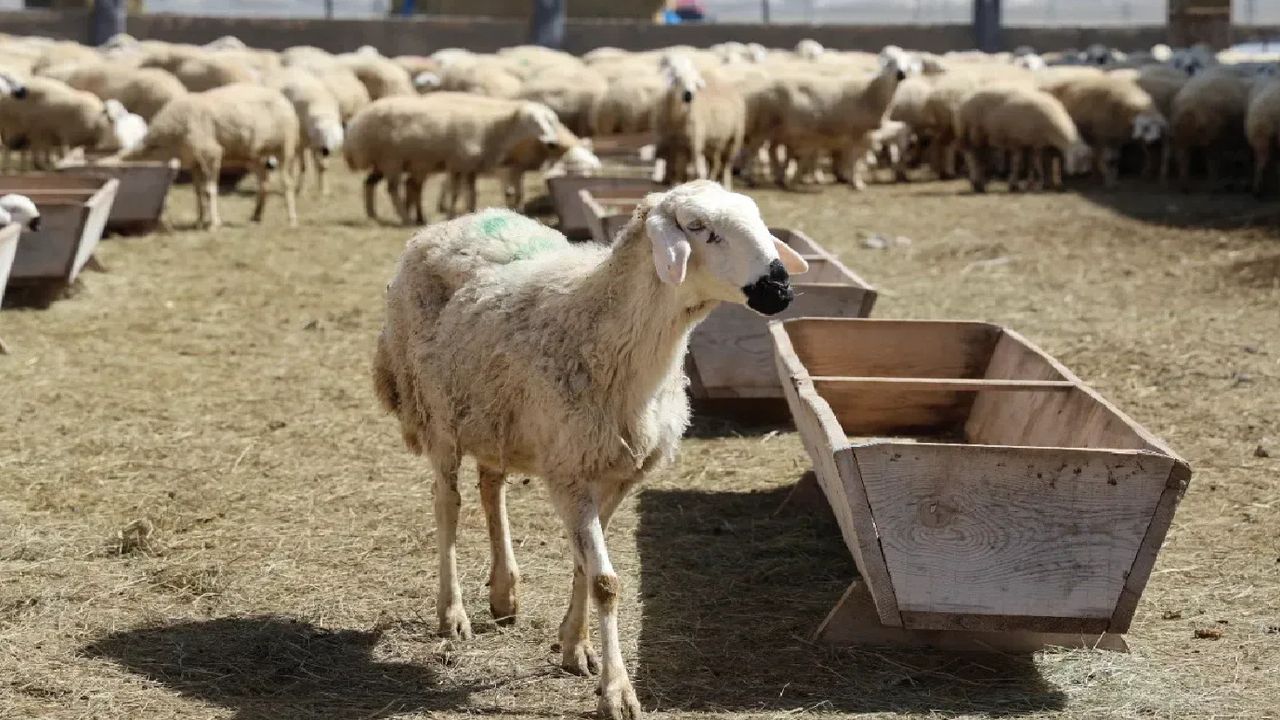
(420, 35)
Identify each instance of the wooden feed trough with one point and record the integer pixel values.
(991, 499)
(608, 210)
(623, 171)
(72, 219)
(144, 185)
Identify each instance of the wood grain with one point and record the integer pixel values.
(69, 233)
(1045, 532)
(894, 348)
(853, 623)
(837, 473)
(1136, 579)
(144, 186)
(568, 205)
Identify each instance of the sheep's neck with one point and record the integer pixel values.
(644, 324)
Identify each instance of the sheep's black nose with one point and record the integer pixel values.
(20, 92)
(771, 293)
(688, 96)
(324, 151)
(901, 76)
(34, 224)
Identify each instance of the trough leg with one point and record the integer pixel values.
(854, 622)
(585, 519)
(452, 617)
(504, 574)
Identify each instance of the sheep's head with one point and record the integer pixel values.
(715, 242)
(19, 209)
(683, 77)
(1149, 127)
(427, 81)
(12, 87)
(120, 129)
(539, 121)
(325, 135)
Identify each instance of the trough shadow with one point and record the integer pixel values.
(731, 590)
(737, 418)
(273, 668)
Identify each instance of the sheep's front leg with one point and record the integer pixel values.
(585, 521)
(1261, 159)
(504, 574)
(260, 173)
(318, 160)
(370, 185)
(452, 617)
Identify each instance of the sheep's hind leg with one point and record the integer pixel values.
(449, 611)
(583, 520)
(260, 173)
(370, 185)
(504, 574)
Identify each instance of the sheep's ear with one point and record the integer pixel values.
(791, 260)
(670, 246)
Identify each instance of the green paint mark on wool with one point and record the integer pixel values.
(535, 245)
(492, 224)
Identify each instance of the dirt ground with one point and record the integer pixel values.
(204, 514)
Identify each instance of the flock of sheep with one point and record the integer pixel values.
(730, 110)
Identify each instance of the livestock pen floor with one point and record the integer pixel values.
(203, 513)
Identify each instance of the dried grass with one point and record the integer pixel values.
(204, 515)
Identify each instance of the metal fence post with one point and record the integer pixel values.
(107, 19)
(986, 25)
(547, 23)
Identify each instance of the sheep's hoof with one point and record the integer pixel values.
(454, 624)
(580, 658)
(618, 702)
(504, 606)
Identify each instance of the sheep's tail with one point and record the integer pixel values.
(384, 380)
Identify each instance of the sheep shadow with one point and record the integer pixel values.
(722, 417)
(731, 590)
(270, 667)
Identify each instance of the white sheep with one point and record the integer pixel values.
(46, 116)
(1262, 126)
(19, 209)
(236, 124)
(1024, 122)
(1110, 110)
(457, 133)
(534, 356)
(320, 118)
(701, 120)
(1208, 115)
(129, 129)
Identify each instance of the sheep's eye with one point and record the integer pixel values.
(696, 226)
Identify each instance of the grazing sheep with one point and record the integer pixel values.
(320, 118)
(129, 128)
(701, 119)
(627, 103)
(1023, 122)
(46, 116)
(1262, 125)
(457, 133)
(212, 70)
(19, 209)
(351, 94)
(1110, 111)
(1208, 115)
(247, 124)
(506, 343)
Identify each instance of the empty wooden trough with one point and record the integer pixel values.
(73, 215)
(990, 498)
(625, 169)
(730, 362)
(144, 185)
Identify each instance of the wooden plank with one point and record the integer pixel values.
(144, 185)
(95, 224)
(45, 181)
(836, 470)
(985, 530)
(1003, 623)
(1145, 560)
(732, 345)
(565, 198)
(48, 254)
(889, 411)
(959, 385)
(894, 348)
(853, 623)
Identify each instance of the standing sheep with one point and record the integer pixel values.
(1110, 111)
(702, 120)
(320, 118)
(1208, 115)
(506, 343)
(1024, 122)
(247, 124)
(1262, 125)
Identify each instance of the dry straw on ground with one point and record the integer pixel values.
(203, 514)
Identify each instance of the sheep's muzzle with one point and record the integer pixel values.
(771, 293)
(34, 224)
